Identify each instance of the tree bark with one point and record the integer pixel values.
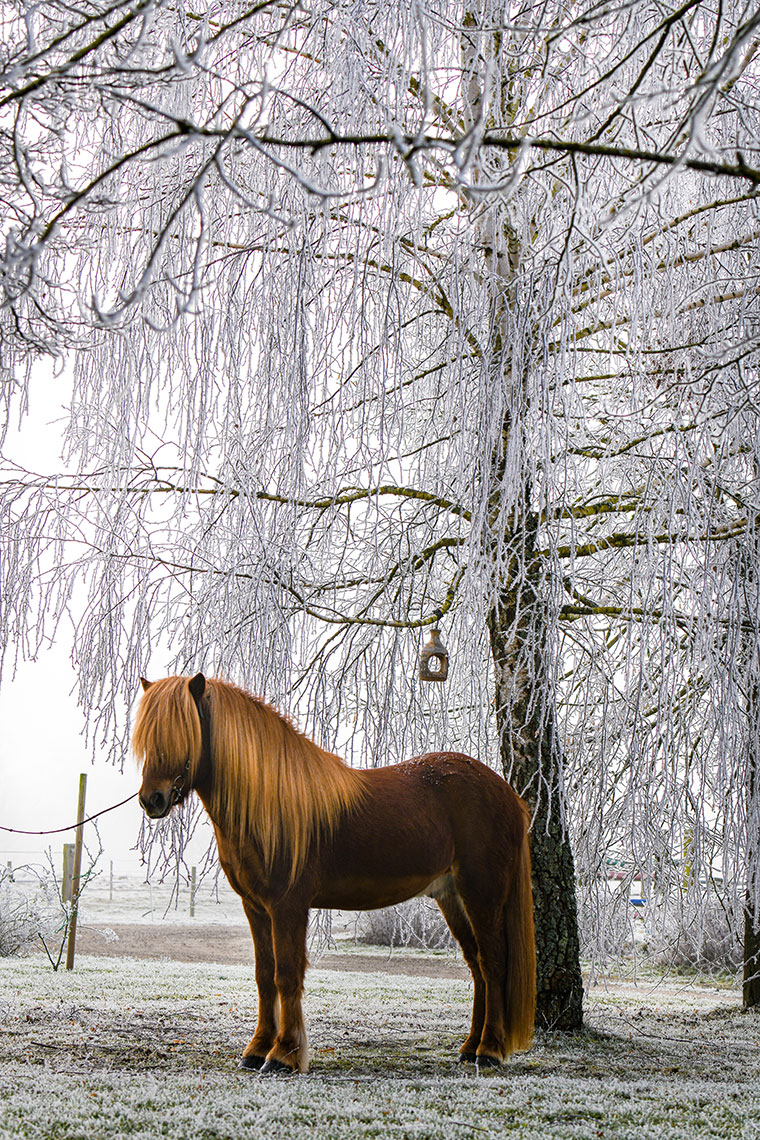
(525, 711)
(531, 760)
(751, 982)
(559, 999)
(751, 985)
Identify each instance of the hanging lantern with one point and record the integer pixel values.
(434, 660)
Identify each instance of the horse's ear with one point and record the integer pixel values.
(197, 686)
(145, 684)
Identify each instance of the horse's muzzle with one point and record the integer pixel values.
(157, 805)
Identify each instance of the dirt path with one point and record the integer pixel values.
(232, 945)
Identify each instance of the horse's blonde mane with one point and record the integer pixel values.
(271, 784)
(167, 729)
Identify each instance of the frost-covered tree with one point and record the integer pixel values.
(388, 317)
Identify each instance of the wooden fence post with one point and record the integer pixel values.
(68, 871)
(76, 873)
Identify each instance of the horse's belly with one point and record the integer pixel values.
(355, 893)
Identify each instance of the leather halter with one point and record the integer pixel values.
(178, 785)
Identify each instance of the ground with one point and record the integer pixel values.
(232, 944)
(127, 1046)
(132, 1047)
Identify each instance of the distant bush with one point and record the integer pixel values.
(417, 923)
(605, 927)
(29, 909)
(702, 935)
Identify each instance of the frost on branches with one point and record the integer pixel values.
(382, 316)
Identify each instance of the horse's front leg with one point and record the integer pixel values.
(289, 1052)
(255, 1052)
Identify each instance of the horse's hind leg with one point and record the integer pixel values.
(485, 911)
(459, 925)
(255, 1052)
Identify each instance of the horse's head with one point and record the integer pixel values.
(168, 741)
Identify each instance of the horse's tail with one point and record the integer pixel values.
(520, 989)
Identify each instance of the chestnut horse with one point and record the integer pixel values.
(297, 828)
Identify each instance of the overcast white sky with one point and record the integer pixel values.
(42, 753)
(42, 750)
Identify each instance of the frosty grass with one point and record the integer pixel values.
(122, 1047)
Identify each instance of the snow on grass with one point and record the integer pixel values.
(126, 1048)
(136, 901)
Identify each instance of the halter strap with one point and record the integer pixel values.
(178, 785)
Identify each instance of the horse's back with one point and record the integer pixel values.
(417, 821)
(481, 807)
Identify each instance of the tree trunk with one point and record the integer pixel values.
(531, 760)
(751, 984)
(524, 706)
(559, 1000)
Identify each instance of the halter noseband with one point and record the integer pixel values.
(178, 785)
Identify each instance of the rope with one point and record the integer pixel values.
(72, 826)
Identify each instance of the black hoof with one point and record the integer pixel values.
(483, 1061)
(469, 1058)
(276, 1068)
(251, 1064)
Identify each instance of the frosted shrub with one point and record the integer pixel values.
(417, 923)
(605, 927)
(701, 935)
(28, 910)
